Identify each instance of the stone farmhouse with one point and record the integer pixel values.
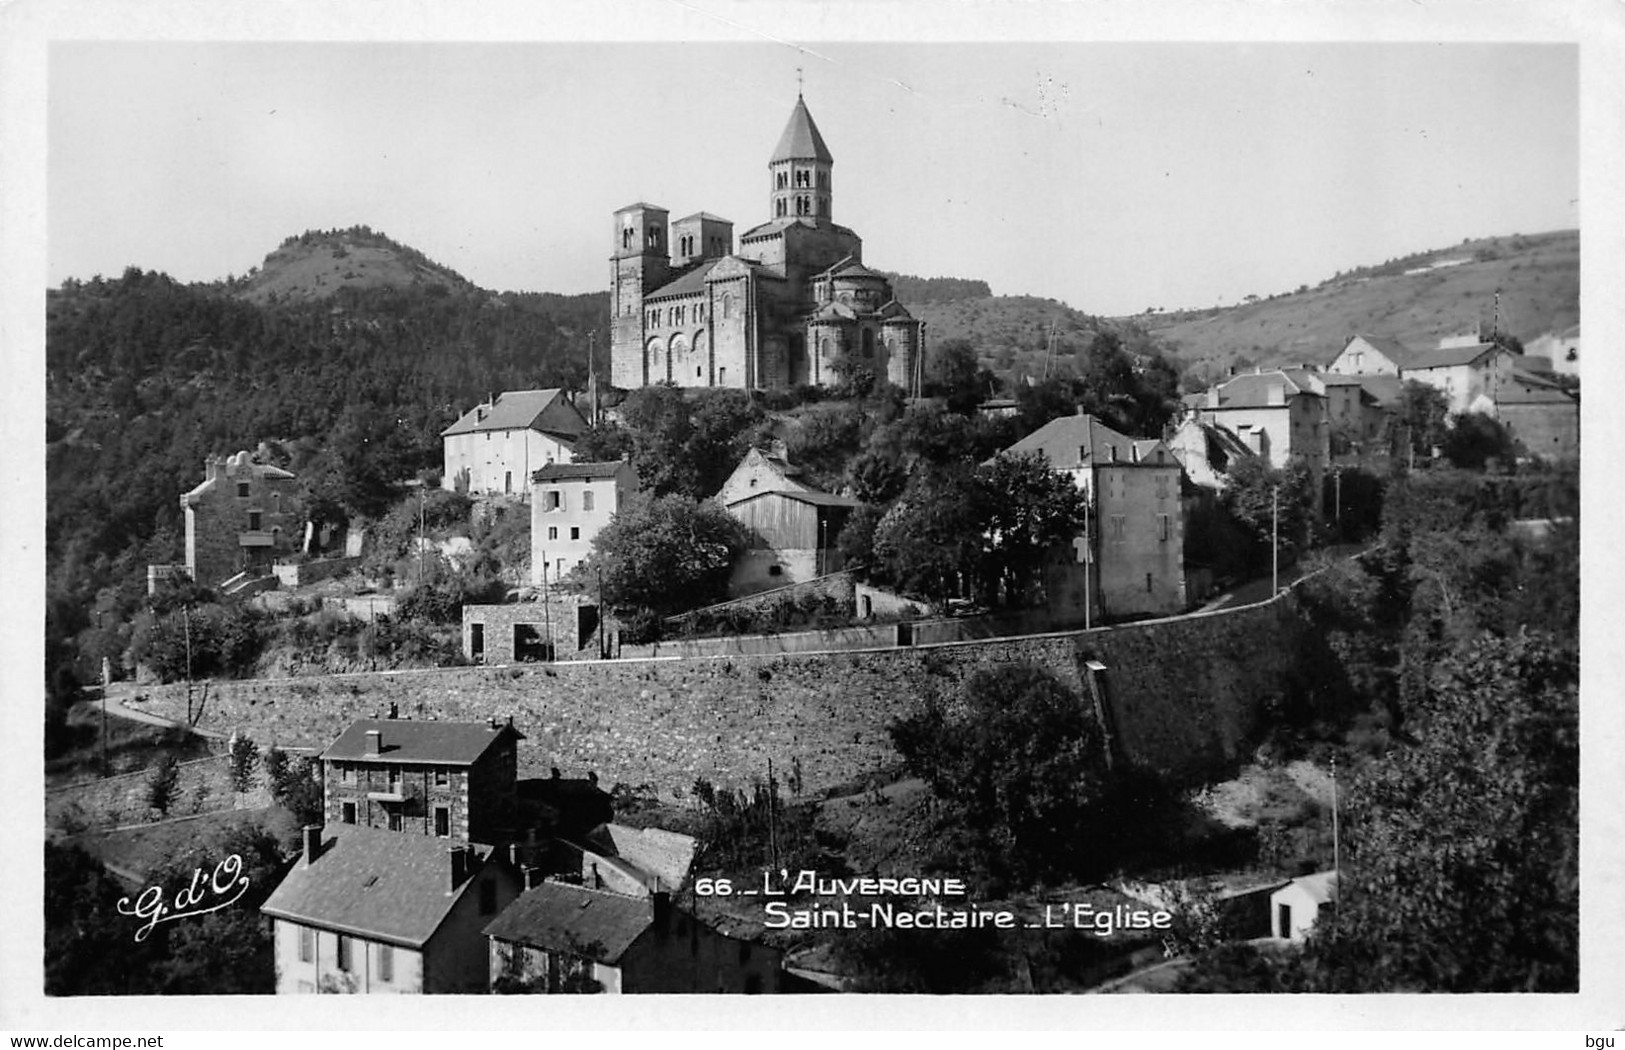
(447, 780)
(570, 504)
(244, 516)
(497, 445)
(781, 309)
(1131, 560)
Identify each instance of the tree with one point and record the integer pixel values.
(666, 554)
(163, 783)
(1462, 873)
(1421, 416)
(1473, 439)
(929, 543)
(1018, 755)
(1026, 511)
(1272, 504)
(956, 374)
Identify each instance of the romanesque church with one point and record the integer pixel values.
(779, 311)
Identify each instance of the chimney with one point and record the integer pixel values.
(375, 742)
(459, 866)
(313, 843)
(1213, 397)
(531, 876)
(660, 901)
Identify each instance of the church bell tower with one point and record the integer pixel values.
(800, 171)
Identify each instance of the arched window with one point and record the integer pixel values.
(626, 237)
(654, 237)
(727, 306)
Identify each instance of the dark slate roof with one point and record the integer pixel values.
(542, 410)
(578, 471)
(1448, 356)
(1061, 439)
(557, 916)
(801, 140)
(1384, 390)
(383, 885)
(1392, 349)
(411, 740)
(691, 282)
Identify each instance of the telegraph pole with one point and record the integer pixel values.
(420, 532)
(1275, 541)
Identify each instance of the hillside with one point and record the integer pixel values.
(318, 264)
(1415, 299)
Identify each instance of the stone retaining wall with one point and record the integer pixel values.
(1183, 696)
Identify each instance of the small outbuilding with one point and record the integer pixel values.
(1297, 906)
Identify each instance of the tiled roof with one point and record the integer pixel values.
(856, 271)
(1392, 349)
(1253, 389)
(542, 410)
(578, 471)
(411, 740)
(801, 140)
(707, 216)
(1446, 357)
(1062, 440)
(383, 885)
(557, 916)
(640, 204)
(1384, 390)
(690, 283)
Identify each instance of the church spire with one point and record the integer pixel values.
(800, 170)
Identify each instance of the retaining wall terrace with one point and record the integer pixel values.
(1182, 695)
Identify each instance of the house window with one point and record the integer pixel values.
(488, 897)
(555, 500)
(386, 963)
(441, 778)
(346, 774)
(442, 822)
(586, 501)
(394, 818)
(347, 812)
(242, 490)
(775, 570)
(253, 521)
(559, 567)
(1162, 527)
(552, 532)
(395, 780)
(307, 944)
(346, 953)
(1148, 583)
(575, 533)
(507, 481)
(1118, 522)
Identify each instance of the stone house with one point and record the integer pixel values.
(1130, 562)
(1371, 355)
(447, 780)
(1359, 410)
(558, 935)
(368, 912)
(244, 516)
(1206, 451)
(570, 504)
(1280, 414)
(1542, 418)
(1561, 349)
(496, 445)
(563, 625)
(792, 538)
(780, 310)
(1470, 376)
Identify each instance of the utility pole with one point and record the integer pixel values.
(1088, 556)
(186, 622)
(603, 618)
(1337, 863)
(1275, 541)
(772, 824)
(547, 611)
(1337, 489)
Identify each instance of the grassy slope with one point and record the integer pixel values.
(1538, 277)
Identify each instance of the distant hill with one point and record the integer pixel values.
(1415, 299)
(317, 264)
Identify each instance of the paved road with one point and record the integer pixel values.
(1258, 590)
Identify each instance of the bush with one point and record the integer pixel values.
(163, 784)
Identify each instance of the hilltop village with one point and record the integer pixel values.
(1067, 681)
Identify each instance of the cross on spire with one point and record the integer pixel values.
(798, 82)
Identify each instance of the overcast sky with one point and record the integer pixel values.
(1112, 176)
